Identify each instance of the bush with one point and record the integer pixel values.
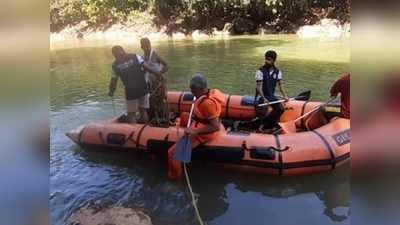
(97, 12)
(189, 15)
(64, 13)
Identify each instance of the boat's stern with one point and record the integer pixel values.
(75, 133)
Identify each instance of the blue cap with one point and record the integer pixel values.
(198, 81)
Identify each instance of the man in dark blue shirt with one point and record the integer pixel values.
(131, 69)
(267, 78)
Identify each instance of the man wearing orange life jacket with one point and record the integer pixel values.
(206, 125)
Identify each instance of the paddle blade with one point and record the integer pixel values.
(303, 96)
(183, 151)
(288, 127)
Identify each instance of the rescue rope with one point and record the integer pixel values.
(186, 173)
(192, 195)
(190, 187)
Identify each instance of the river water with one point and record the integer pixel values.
(80, 73)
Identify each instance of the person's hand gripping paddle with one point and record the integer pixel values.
(183, 150)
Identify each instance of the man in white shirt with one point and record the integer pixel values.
(268, 77)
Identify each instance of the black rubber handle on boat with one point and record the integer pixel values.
(286, 148)
(280, 150)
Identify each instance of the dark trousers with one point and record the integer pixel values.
(272, 119)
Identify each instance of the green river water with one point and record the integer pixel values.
(79, 77)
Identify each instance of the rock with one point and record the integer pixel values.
(198, 34)
(216, 32)
(74, 32)
(82, 25)
(227, 28)
(111, 215)
(178, 36)
(328, 28)
(309, 31)
(347, 30)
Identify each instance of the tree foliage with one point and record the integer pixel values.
(189, 15)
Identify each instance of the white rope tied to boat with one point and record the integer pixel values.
(192, 195)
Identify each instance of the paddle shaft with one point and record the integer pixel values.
(301, 117)
(191, 112)
(302, 96)
(274, 102)
(184, 144)
(313, 110)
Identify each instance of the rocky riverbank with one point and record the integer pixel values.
(124, 32)
(326, 28)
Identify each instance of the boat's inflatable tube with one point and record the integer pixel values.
(238, 107)
(321, 149)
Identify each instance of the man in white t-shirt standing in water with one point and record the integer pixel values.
(131, 68)
(267, 78)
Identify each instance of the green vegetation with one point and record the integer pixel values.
(246, 16)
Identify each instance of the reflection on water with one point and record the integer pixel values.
(79, 82)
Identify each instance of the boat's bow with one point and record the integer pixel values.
(75, 133)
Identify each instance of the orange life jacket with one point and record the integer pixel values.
(200, 113)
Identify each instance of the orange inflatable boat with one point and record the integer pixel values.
(317, 147)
